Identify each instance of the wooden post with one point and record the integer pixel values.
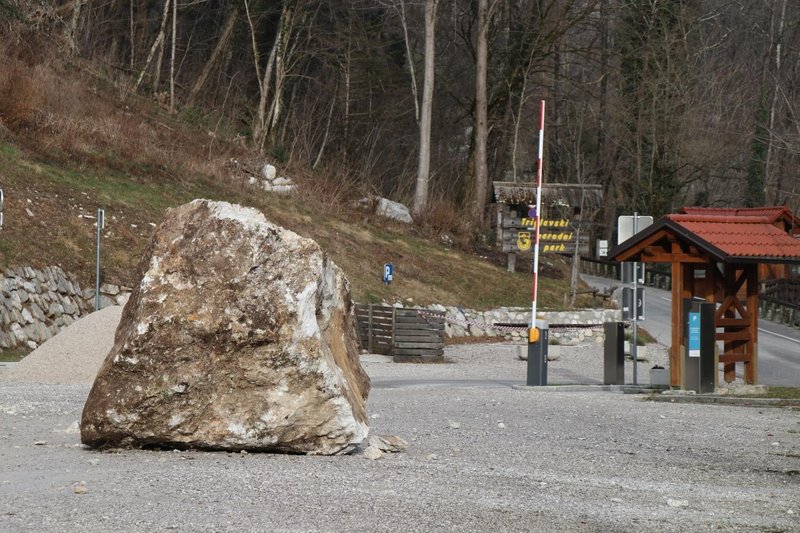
(394, 326)
(499, 228)
(751, 366)
(369, 329)
(512, 262)
(729, 369)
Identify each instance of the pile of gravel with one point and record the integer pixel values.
(74, 355)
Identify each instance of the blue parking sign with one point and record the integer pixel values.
(388, 273)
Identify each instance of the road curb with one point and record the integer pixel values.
(726, 400)
(620, 389)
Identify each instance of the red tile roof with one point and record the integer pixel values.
(774, 213)
(737, 234)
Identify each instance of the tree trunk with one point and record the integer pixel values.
(159, 40)
(222, 43)
(775, 196)
(481, 127)
(72, 29)
(423, 169)
(410, 57)
(281, 58)
(517, 124)
(327, 128)
(172, 58)
(259, 126)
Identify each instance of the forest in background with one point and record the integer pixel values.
(665, 103)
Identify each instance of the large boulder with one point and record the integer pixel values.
(240, 336)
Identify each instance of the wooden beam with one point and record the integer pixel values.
(732, 322)
(671, 258)
(733, 358)
(751, 366)
(726, 336)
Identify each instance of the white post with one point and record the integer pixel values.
(101, 222)
(537, 217)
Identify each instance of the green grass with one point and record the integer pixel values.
(7, 149)
(13, 355)
(785, 393)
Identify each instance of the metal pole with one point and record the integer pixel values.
(100, 225)
(635, 304)
(1, 208)
(537, 217)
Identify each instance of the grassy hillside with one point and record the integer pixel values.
(72, 141)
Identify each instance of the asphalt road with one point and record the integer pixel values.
(778, 345)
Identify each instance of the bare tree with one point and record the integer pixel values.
(156, 45)
(423, 169)
(222, 44)
(481, 121)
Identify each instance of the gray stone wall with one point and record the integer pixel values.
(467, 322)
(37, 304)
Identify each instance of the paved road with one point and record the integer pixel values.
(778, 345)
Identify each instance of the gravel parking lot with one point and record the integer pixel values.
(483, 456)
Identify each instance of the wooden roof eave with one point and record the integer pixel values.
(636, 248)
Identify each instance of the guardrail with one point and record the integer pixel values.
(779, 311)
(660, 279)
(776, 297)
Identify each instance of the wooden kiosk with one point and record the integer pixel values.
(715, 256)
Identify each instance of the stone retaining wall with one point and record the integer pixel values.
(37, 304)
(468, 322)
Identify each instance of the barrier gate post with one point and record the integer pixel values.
(614, 353)
(537, 354)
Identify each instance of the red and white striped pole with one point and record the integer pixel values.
(534, 333)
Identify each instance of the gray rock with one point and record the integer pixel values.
(240, 336)
(6, 341)
(268, 172)
(27, 317)
(284, 189)
(19, 333)
(55, 310)
(37, 312)
(388, 443)
(393, 210)
(15, 301)
(109, 289)
(372, 453)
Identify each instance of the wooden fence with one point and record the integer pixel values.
(402, 333)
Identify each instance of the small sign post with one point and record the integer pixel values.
(101, 224)
(388, 273)
(1, 208)
(627, 227)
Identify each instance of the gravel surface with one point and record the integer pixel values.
(72, 356)
(483, 456)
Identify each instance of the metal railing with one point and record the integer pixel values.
(779, 300)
